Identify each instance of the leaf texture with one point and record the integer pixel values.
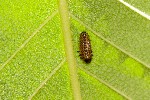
(34, 58)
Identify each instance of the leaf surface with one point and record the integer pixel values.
(34, 57)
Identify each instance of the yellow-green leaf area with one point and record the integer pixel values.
(133, 67)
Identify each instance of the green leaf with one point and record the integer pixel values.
(39, 43)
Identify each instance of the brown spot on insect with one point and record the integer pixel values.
(85, 47)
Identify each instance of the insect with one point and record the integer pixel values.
(85, 47)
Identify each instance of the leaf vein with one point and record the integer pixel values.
(135, 9)
(105, 83)
(110, 42)
(27, 40)
(49, 76)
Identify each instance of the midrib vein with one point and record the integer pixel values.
(27, 40)
(64, 16)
